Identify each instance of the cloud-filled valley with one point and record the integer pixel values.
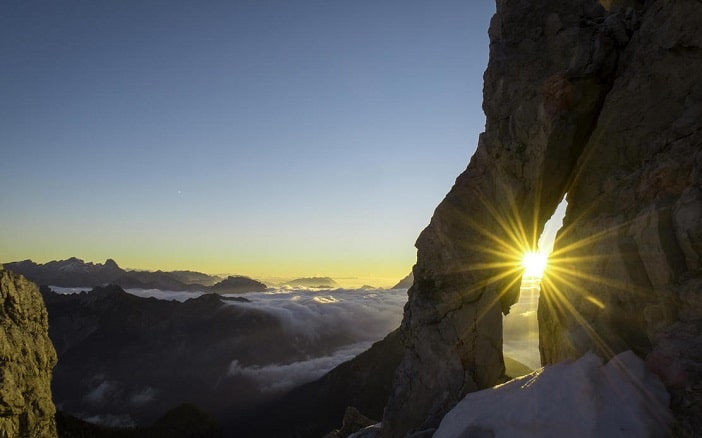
(231, 350)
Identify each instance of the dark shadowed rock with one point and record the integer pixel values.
(603, 104)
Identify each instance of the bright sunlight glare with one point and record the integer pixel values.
(534, 264)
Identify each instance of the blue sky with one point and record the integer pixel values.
(268, 138)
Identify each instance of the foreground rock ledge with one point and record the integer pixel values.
(27, 358)
(604, 105)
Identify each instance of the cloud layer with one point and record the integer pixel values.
(281, 377)
(358, 317)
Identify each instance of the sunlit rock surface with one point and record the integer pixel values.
(606, 106)
(27, 358)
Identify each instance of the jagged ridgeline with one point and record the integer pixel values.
(74, 272)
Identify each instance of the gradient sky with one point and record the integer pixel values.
(266, 138)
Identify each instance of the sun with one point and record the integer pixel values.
(534, 264)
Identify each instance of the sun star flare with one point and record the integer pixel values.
(534, 264)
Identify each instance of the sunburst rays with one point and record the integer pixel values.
(510, 235)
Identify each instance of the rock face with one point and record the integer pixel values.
(604, 105)
(27, 358)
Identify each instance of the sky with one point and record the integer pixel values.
(263, 138)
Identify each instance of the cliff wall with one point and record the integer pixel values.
(601, 102)
(27, 358)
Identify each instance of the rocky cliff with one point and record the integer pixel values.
(601, 102)
(27, 358)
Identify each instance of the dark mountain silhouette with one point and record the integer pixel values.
(183, 421)
(405, 283)
(238, 284)
(72, 272)
(75, 272)
(318, 407)
(122, 356)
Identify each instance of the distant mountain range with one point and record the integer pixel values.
(75, 272)
(124, 359)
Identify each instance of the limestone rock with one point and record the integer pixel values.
(543, 91)
(634, 214)
(27, 358)
(604, 104)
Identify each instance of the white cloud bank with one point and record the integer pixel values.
(359, 316)
(281, 377)
(362, 315)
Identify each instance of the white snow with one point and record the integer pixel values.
(574, 399)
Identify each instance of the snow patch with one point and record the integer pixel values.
(575, 399)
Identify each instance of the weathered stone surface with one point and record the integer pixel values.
(604, 104)
(634, 221)
(27, 358)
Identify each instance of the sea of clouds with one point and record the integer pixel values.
(361, 316)
(357, 317)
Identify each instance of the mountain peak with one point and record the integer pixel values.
(110, 263)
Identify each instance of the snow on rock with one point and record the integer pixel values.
(576, 399)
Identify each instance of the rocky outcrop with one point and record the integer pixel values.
(603, 104)
(27, 358)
